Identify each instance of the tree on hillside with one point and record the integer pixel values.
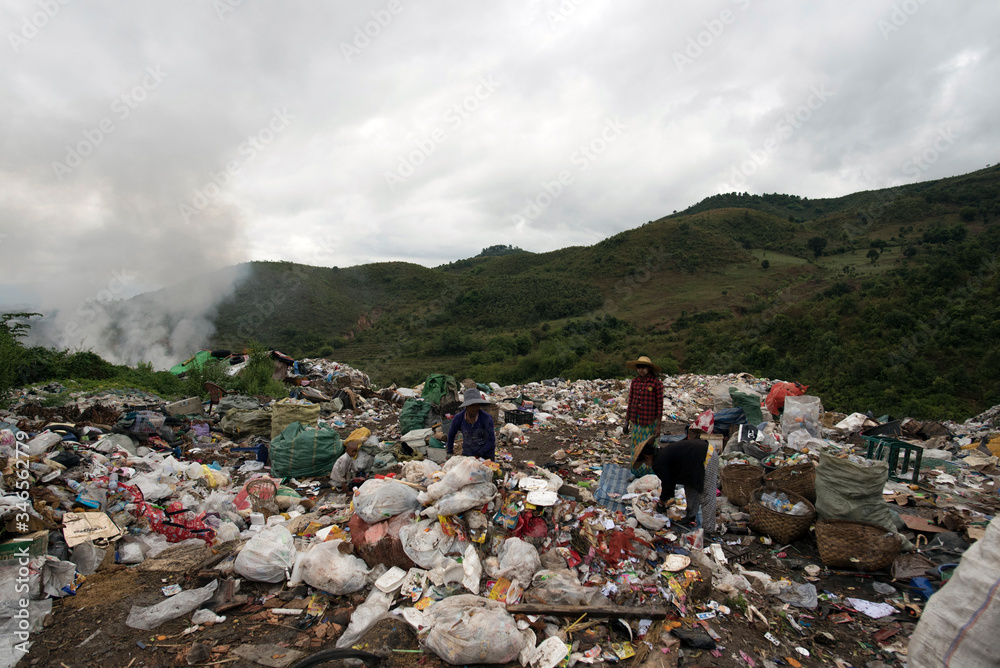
(501, 249)
(880, 244)
(816, 245)
(765, 264)
(873, 255)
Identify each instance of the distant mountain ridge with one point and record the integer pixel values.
(690, 288)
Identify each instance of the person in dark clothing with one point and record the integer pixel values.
(693, 463)
(479, 437)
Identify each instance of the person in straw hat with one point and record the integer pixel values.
(644, 415)
(479, 437)
(693, 463)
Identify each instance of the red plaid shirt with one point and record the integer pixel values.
(645, 400)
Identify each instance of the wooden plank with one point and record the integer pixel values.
(620, 611)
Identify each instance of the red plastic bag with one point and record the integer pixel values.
(175, 522)
(775, 401)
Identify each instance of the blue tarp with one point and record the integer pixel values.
(613, 485)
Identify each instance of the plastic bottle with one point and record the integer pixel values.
(113, 483)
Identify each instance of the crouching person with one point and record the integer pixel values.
(692, 463)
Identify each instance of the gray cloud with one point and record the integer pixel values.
(360, 104)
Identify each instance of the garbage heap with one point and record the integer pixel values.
(571, 561)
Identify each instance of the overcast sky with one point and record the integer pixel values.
(145, 142)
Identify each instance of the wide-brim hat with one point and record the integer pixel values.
(632, 364)
(472, 396)
(638, 450)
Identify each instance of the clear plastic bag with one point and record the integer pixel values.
(518, 560)
(562, 588)
(802, 596)
(426, 543)
(329, 566)
(381, 499)
(467, 498)
(175, 606)
(87, 557)
(467, 629)
(801, 413)
(267, 557)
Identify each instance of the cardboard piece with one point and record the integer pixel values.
(915, 523)
(82, 527)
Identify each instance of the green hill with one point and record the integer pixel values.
(883, 299)
(897, 312)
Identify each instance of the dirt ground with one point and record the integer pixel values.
(89, 629)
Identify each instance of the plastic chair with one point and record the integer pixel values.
(215, 394)
(877, 450)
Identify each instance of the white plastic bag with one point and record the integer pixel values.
(152, 544)
(467, 498)
(267, 557)
(460, 471)
(801, 439)
(467, 629)
(57, 577)
(175, 606)
(473, 568)
(518, 560)
(381, 499)
(420, 472)
(647, 483)
(130, 552)
(329, 566)
(205, 616)
(365, 616)
(42, 443)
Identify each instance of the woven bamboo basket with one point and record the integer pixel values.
(861, 546)
(798, 478)
(739, 482)
(781, 527)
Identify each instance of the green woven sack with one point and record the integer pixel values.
(305, 452)
(414, 415)
(750, 403)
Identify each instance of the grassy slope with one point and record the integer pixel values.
(647, 289)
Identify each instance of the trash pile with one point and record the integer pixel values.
(265, 532)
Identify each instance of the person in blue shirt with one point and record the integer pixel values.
(479, 437)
